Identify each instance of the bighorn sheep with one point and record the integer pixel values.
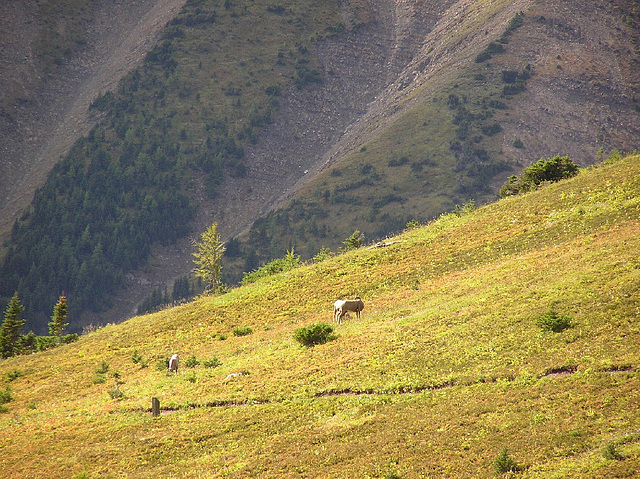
(343, 306)
(173, 363)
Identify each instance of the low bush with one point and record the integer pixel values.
(356, 240)
(5, 395)
(548, 170)
(212, 363)
(610, 451)
(315, 334)
(163, 363)
(505, 463)
(136, 358)
(323, 254)
(492, 49)
(191, 362)
(69, 338)
(554, 322)
(115, 393)
(412, 224)
(290, 261)
(45, 342)
(243, 331)
(103, 368)
(13, 375)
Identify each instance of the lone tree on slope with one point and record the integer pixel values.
(209, 257)
(11, 329)
(59, 318)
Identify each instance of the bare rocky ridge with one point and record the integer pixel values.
(579, 100)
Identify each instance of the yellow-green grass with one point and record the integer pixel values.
(445, 368)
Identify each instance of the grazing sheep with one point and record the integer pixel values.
(173, 363)
(342, 307)
(234, 375)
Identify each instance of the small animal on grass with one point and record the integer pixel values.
(343, 306)
(173, 363)
(234, 375)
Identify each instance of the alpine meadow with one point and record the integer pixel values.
(320, 239)
(449, 372)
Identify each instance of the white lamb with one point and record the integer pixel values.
(173, 363)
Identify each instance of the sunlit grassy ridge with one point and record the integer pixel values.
(444, 370)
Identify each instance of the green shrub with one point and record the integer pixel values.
(5, 396)
(412, 224)
(315, 334)
(552, 321)
(163, 363)
(13, 375)
(548, 170)
(104, 367)
(355, 240)
(323, 254)
(504, 463)
(290, 261)
(243, 331)
(212, 363)
(492, 49)
(46, 342)
(116, 393)
(305, 76)
(614, 156)
(466, 208)
(191, 362)
(69, 338)
(611, 452)
(136, 358)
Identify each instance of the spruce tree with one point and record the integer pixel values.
(209, 257)
(11, 329)
(355, 240)
(58, 320)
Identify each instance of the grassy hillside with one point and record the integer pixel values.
(445, 369)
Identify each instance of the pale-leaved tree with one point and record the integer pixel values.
(208, 257)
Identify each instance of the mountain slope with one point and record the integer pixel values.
(451, 128)
(373, 113)
(444, 370)
(56, 60)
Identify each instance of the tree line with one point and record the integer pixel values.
(13, 342)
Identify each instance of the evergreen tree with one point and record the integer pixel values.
(355, 240)
(58, 320)
(11, 329)
(209, 257)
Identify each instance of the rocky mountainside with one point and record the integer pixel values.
(563, 79)
(45, 93)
